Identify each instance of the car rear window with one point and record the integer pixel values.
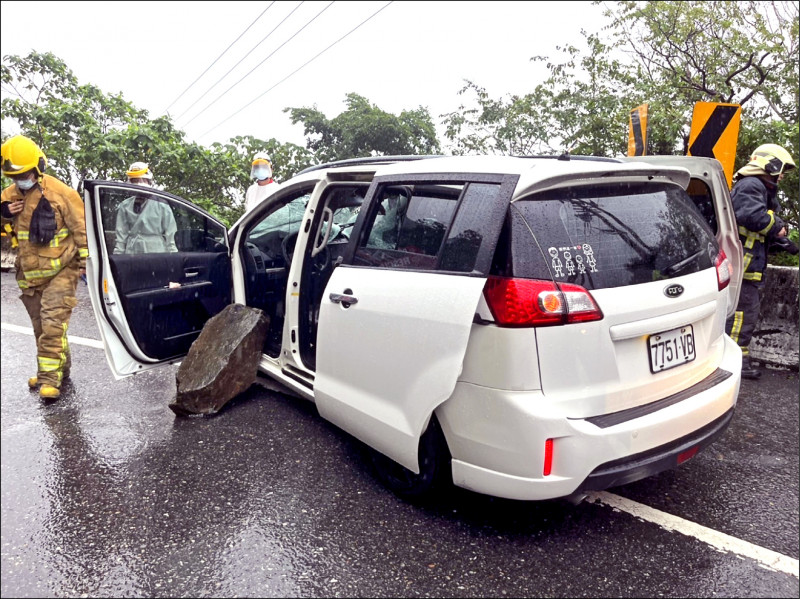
(606, 236)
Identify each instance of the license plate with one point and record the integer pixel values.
(671, 348)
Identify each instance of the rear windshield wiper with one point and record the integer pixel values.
(673, 269)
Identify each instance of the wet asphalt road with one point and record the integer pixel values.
(106, 493)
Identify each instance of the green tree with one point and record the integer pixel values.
(363, 129)
(731, 52)
(669, 55)
(87, 134)
(569, 111)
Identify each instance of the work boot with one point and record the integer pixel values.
(48, 392)
(33, 382)
(749, 369)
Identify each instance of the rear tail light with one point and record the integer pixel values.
(723, 267)
(548, 457)
(530, 302)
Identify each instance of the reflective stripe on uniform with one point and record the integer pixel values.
(48, 364)
(64, 351)
(83, 252)
(750, 276)
(736, 328)
(62, 234)
(766, 229)
(748, 258)
(55, 263)
(751, 237)
(59, 236)
(22, 284)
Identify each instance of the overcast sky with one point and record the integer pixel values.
(409, 54)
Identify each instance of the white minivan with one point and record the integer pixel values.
(528, 328)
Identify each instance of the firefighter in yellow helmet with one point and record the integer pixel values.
(48, 221)
(755, 203)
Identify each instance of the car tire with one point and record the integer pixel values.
(434, 460)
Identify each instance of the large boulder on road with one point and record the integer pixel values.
(222, 362)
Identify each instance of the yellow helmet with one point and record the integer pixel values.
(20, 154)
(139, 170)
(772, 158)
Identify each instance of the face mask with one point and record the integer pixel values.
(262, 172)
(25, 184)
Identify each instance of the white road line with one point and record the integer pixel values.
(765, 557)
(70, 338)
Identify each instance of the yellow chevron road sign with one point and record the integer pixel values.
(637, 131)
(715, 133)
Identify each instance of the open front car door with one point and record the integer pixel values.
(159, 268)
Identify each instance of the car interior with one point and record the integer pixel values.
(266, 257)
(333, 224)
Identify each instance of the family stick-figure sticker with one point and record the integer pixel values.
(583, 257)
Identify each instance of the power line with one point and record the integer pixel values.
(203, 95)
(218, 57)
(259, 64)
(297, 69)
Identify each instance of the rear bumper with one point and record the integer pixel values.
(497, 437)
(648, 463)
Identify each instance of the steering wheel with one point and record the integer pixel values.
(320, 261)
(287, 248)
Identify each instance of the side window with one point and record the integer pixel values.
(137, 221)
(433, 226)
(701, 196)
(409, 226)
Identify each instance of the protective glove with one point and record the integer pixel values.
(783, 244)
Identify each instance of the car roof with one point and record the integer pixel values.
(536, 172)
(540, 172)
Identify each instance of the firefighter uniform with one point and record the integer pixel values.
(754, 198)
(48, 273)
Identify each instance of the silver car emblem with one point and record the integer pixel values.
(673, 290)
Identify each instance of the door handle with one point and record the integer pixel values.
(345, 300)
(191, 273)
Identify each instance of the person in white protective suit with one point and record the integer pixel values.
(261, 171)
(144, 225)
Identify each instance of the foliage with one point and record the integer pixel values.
(669, 55)
(731, 52)
(363, 129)
(87, 134)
